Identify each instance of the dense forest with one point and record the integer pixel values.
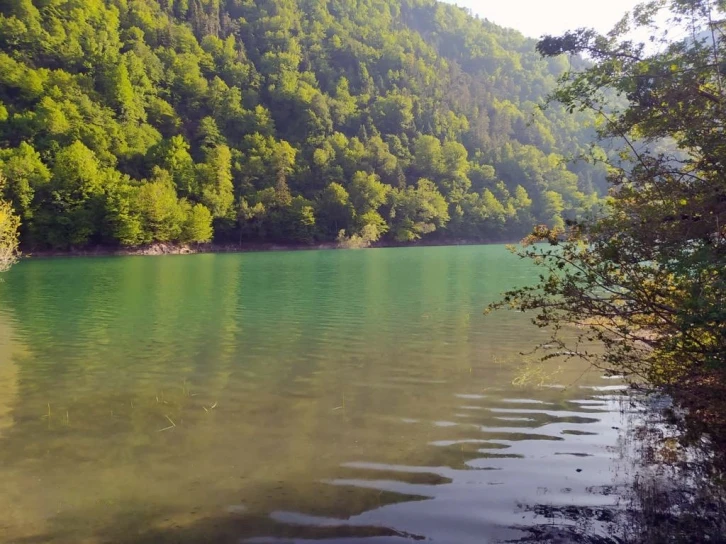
(127, 122)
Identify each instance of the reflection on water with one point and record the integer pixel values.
(677, 478)
(8, 374)
(282, 397)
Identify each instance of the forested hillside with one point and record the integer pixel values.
(134, 121)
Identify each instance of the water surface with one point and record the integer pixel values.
(284, 397)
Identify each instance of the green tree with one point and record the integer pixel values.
(123, 222)
(427, 157)
(174, 157)
(122, 93)
(73, 213)
(215, 181)
(393, 113)
(417, 211)
(454, 158)
(9, 225)
(334, 209)
(162, 216)
(367, 193)
(494, 209)
(235, 97)
(197, 225)
(25, 173)
(648, 278)
(266, 161)
(553, 205)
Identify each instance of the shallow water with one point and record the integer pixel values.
(281, 397)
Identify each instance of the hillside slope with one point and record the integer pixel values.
(133, 121)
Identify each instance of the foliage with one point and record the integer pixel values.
(418, 211)
(367, 236)
(197, 226)
(309, 98)
(648, 279)
(9, 224)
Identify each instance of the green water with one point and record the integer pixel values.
(277, 397)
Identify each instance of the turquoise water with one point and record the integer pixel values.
(290, 396)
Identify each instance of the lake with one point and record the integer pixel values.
(292, 396)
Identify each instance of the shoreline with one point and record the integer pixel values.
(193, 249)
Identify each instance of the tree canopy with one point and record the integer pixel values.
(133, 121)
(648, 278)
(9, 223)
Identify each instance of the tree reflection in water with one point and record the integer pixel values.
(671, 482)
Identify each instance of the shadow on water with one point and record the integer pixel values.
(677, 483)
(333, 396)
(670, 483)
(236, 524)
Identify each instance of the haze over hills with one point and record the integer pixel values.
(535, 19)
(135, 121)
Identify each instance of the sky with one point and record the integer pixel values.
(534, 18)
